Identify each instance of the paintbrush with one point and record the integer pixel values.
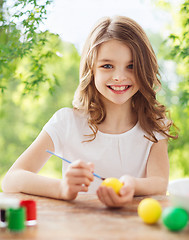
(96, 175)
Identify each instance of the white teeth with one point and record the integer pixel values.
(119, 88)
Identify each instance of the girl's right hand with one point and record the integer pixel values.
(78, 177)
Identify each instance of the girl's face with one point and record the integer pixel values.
(113, 73)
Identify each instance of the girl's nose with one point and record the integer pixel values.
(120, 76)
(118, 79)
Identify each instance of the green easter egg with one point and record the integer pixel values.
(174, 218)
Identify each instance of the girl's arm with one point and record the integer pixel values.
(155, 182)
(22, 176)
(157, 172)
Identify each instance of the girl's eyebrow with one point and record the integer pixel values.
(110, 60)
(105, 60)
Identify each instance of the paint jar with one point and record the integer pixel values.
(16, 219)
(6, 203)
(3, 222)
(31, 215)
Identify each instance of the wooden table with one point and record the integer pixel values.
(87, 218)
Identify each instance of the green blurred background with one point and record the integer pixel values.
(39, 74)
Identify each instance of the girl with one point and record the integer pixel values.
(116, 127)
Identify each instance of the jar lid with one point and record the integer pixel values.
(6, 203)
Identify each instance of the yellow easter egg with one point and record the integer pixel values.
(149, 210)
(113, 183)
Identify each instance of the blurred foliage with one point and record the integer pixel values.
(39, 75)
(23, 116)
(176, 48)
(19, 35)
(178, 45)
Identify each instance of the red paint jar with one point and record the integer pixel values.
(31, 215)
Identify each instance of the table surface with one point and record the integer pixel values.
(87, 218)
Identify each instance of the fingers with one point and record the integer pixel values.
(76, 188)
(70, 191)
(79, 173)
(78, 178)
(83, 168)
(91, 166)
(107, 196)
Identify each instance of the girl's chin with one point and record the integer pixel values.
(118, 103)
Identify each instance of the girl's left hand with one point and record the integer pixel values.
(108, 196)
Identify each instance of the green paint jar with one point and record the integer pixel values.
(16, 219)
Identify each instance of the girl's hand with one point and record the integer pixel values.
(107, 195)
(77, 179)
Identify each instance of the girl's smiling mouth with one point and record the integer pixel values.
(119, 88)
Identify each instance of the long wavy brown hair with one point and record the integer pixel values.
(151, 114)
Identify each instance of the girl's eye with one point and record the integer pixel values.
(108, 66)
(130, 66)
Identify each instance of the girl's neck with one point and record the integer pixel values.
(119, 119)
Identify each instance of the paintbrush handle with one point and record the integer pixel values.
(71, 162)
(96, 175)
(58, 156)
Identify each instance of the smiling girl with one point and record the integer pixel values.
(116, 126)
